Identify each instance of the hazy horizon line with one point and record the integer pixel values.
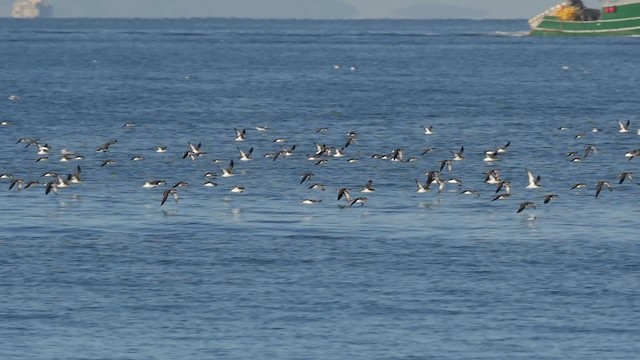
(259, 18)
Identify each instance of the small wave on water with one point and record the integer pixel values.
(511, 33)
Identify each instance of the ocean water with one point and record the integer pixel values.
(103, 271)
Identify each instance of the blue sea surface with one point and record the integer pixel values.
(102, 270)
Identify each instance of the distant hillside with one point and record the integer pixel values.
(439, 11)
(308, 9)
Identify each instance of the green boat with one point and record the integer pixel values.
(615, 17)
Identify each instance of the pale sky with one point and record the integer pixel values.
(495, 9)
(492, 9)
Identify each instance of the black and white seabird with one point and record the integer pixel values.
(506, 185)
(368, 187)
(624, 127)
(228, 171)
(193, 155)
(238, 189)
(534, 181)
(32, 183)
(350, 140)
(43, 149)
(306, 176)
(311, 201)
(344, 192)
(397, 155)
(105, 147)
(501, 197)
(446, 163)
(196, 149)
(165, 194)
(240, 134)
(339, 152)
(359, 200)
(51, 186)
(433, 177)
(71, 157)
(180, 184)
(588, 149)
(153, 183)
(600, 185)
(492, 177)
(457, 156)
(422, 188)
(323, 150)
(76, 177)
(283, 152)
(245, 155)
(15, 182)
(526, 205)
(490, 155)
(503, 149)
(287, 152)
(427, 150)
(625, 175)
(28, 141)
(632, 153)
(54, 185)
(317, 186)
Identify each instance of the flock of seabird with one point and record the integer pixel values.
(434, 178)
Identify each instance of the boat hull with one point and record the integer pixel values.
(623, 21)
(555, 27)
